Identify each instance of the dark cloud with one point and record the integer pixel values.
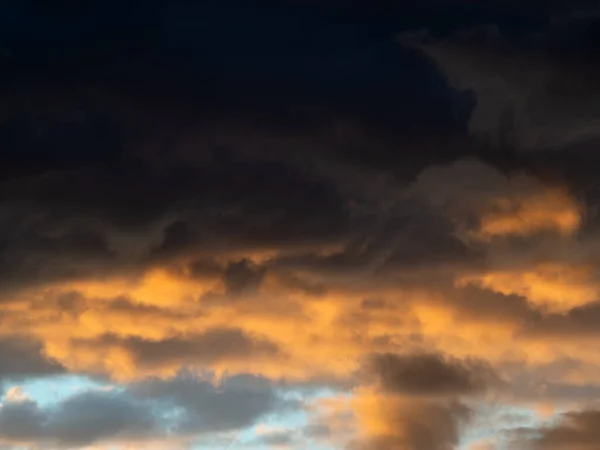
(126, 306)
(79, 420)
(577, 323)
(184, 138)
(32, 253)
(243, 277)
(21, 420)
(396, 240)
(430, 374)
(477, 305)
(573, 430)
(21, 357)
(299, 283)
(142, 410)
(533, 92)
(218, 344)
(372, 303)
(94, 416)
(91, 222)
(318, 431)
(233, 403)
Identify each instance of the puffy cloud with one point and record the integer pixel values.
(430, 374)
(153, 409)
(78, 421)
(232, 403)
(576, 429)
(212, 346)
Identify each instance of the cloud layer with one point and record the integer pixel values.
(392, 248)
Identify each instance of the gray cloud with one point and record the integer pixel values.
(79, 420)
(218, 344)
(236, 402)
(576, 323)
(318, 431)
(275, 439)
(243, 277)
(430, 374)
(209, 347)
(152, 409)
(577, 430)
(22, 357)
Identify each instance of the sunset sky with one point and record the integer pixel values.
(321, 225)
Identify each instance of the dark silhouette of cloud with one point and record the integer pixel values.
(430, 374)
(22, 357)
(576, 430)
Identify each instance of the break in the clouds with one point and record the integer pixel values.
(281, 226)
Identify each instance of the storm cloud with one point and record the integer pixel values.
(341, 224)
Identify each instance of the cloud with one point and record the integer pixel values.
(576, 323)
(484, 203)
(23, 357)
(576, 430)
(277, 439)
(418, 402)
(205, 349)
(345, 251)
(297, 251)
(80, 420)
(233, 403)
(150, 410)
(533, 92)
(418, 426)
(56, 233)
(317, 431)
(243, 277)
(430, 375)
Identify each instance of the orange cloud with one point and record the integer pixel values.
(549, 210)
(152, 323)
(555, 287)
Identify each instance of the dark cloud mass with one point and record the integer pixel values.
(534, 92)
(336, 224)
(576, 430)
(22, 357)
(212, 346)
(234, 403)
(78, 421)
(243, 277)
(430, 374)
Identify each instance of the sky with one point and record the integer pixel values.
(333, 225)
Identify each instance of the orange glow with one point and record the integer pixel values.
(550, 210)
(554, 287)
